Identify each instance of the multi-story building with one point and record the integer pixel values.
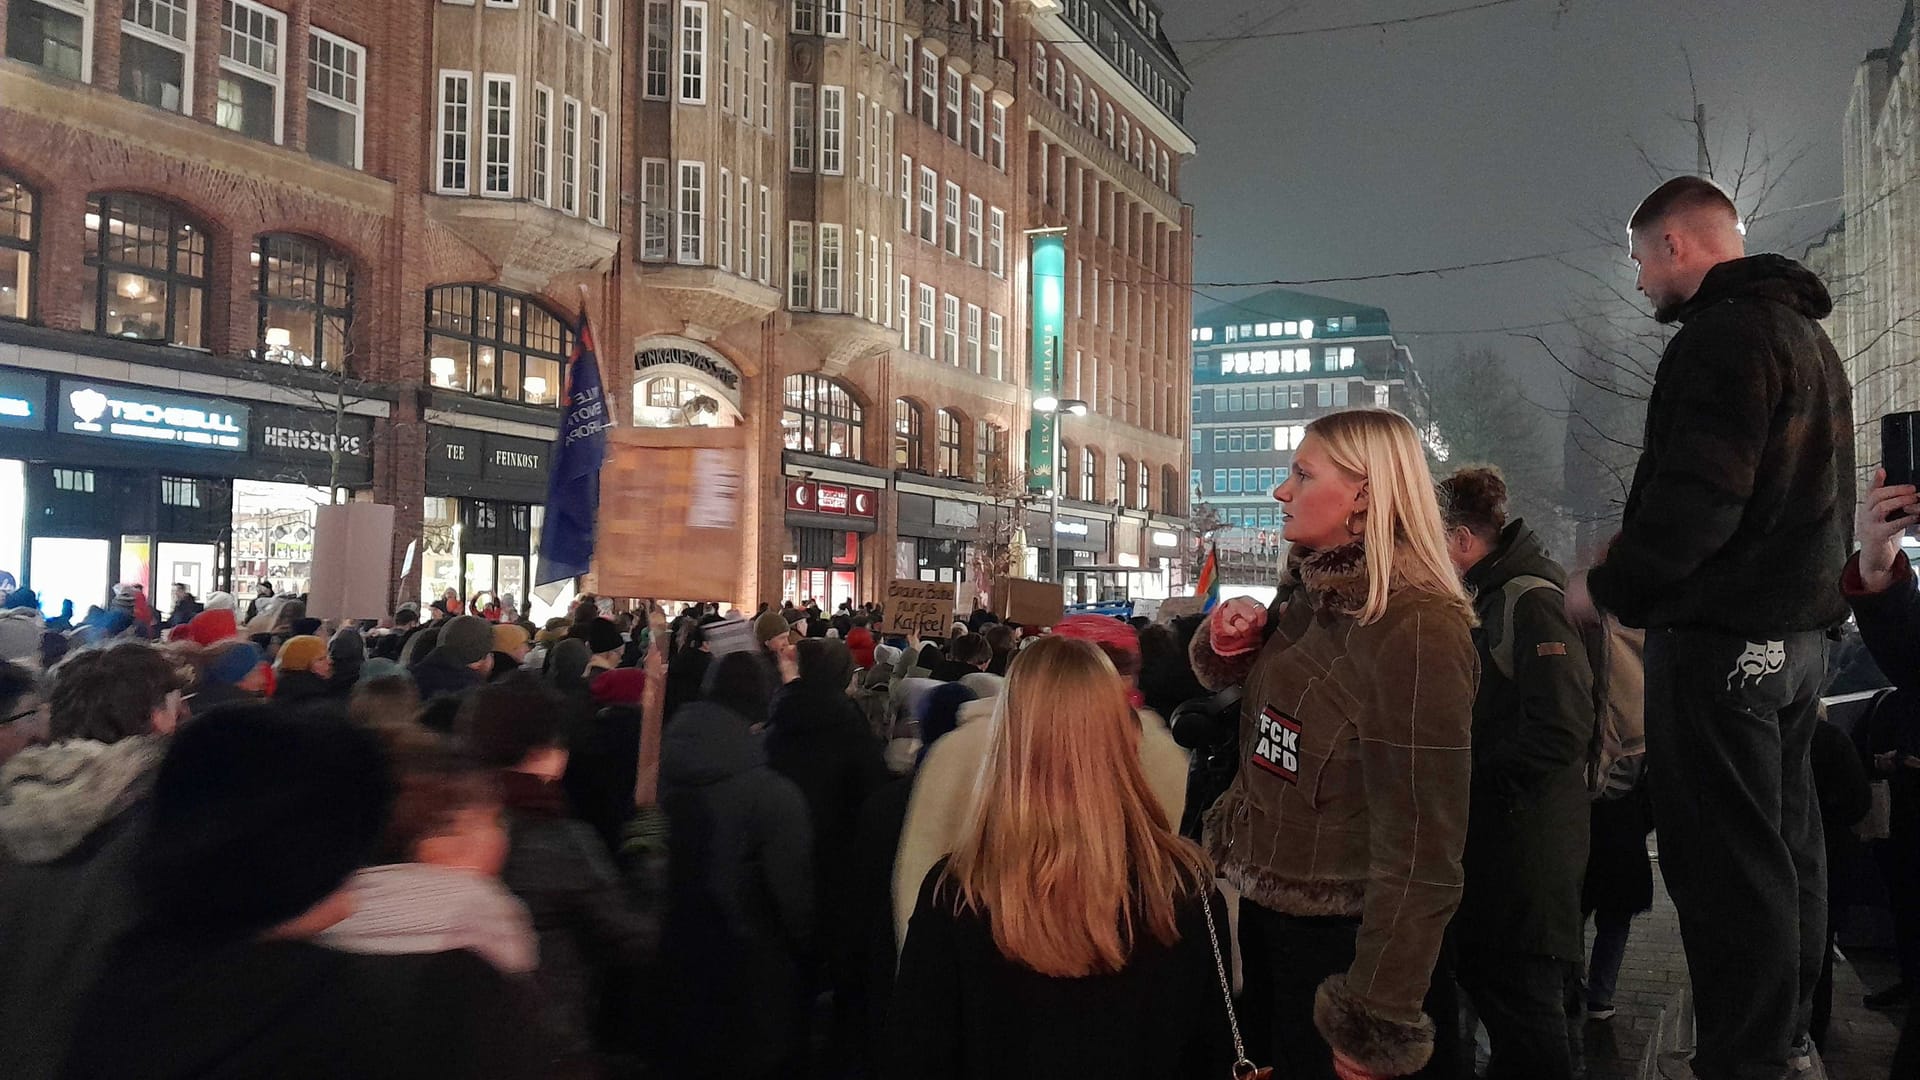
(1874, 272)
(1262, 369)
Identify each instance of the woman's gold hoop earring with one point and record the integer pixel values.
(1351, 531)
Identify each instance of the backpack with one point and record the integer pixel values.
(1617, 750)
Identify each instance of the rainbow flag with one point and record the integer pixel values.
(1209, 584)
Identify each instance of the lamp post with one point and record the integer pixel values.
(1052, 403)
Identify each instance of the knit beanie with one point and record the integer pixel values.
(603, 636)
(220, 601)
(20, 632)
(379, 667)
(212, 626)
(227, 664)
(509, 636)
(769, 625)
(257, 816)
(300, 651)
(465, 639)
(305, 626)
(347, 646)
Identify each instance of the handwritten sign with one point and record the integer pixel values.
(913, 606)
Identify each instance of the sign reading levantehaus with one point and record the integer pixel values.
(137, 414)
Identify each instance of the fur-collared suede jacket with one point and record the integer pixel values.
(1353, 788)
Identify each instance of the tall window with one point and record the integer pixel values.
(833, 119)
(147, 271)
(1089, 474)
(726, 61)
(950, 329)
(927, 219)
(766, 235)
(336, 104)
(1169, 491)
(496, 174)
(540, 172)
(906, 193)
(456, 101)
(947, 438)
(799, 265)
(906, 435)
(746, 72)
(766, 83)
(997, 242)
(156, 52)
(1076, 100)
(693, 52)
(656, 209)
(974, 243)
(495, 343)
(1040, 67)
(596, 166)
(926, 316)
(18, 243)
(977, 121)
(251, 71)
(833, 18)
(601, 27)
(723, 226)
(973, 338)
(693, 192)
(52, 34)
(996, 354)
(929, 87)
(746, 227)
(953, 105)
(305, 294)
(800, 103)
(1142, 495)
(830, 260)
(570, 155)
(997, 145)
(820, 417)
(989, 453)
(804, 12)
(659, 30)
(950, 219)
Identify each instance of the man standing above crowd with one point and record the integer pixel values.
(1730, 551)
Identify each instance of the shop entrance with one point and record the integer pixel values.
(70, 570)
(823, 566)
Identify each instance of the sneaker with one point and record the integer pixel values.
(1897, 994)
(1599, 1012)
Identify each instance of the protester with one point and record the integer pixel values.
(1013, 968)
(1001, 638)
(1343, 840)
(1840, 785)
(1880, 586)
(1618, 885)
(389, 707)
(510, 647)
(434, 883)
(461, 658)
(860, 642)
(303, 676)
(1518, 930)
(388, 643)
(23, 715)
(262, 592)
(610, 683)
(555, 864)
(231, 672)
(739, 915)
(966, 654)
(258, 822)
(1729, 554)
(71, 813)
(347, 650)
(185, 607)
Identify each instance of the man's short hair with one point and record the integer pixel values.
(969, 649)
(500, 723)
(109, 693)
(1682, 194)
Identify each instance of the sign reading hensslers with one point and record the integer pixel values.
(924, 607)
(137, 414)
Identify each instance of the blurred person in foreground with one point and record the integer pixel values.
(1067, 933)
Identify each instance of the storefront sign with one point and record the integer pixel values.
(1047, 260)
(137, 414)
(707, 366)
(307, 438)
(811, 498)
(462, 456)
(1068, 533)
(1163, 539)
(23, 401)
(1070, 528)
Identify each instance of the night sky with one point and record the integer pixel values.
(1493, 134)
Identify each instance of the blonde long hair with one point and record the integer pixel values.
(1406, 540)
(1066, 849)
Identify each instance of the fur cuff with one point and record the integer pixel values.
(1214, 671)
(1290, 897)
(1380, 1045)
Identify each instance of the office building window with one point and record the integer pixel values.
(800, 265)
(821, 417)
(830, 259)
(252, 70)
(833, 116)
(147, 273)
(656, 209)
(693, 52)
(495, 343)
(497, 144)
(156, 52)
(305, 297)
(693, 193)
(800, 102)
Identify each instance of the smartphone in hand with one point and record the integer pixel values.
(1900, 449)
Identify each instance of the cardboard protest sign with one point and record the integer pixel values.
(925, 607)
(672, 513)
(1173, 607)
(1029, 603)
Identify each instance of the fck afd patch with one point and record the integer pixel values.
(1278, 748)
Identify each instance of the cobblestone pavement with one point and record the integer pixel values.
(1860, 1041)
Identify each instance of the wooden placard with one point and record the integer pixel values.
(672, 513)
(1174, 607)
(1029, 603)
(924, 607)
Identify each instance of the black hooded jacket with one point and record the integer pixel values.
(1741, 512)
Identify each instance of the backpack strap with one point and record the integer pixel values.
(1510, 594)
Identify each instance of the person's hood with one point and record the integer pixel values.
(977, 709)
(20, 633)
(53, 797)
(1518, 552)
(301, 686)
(803, 707)
(1766, 277)
(705, 744)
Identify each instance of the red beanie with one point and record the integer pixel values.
(212, 627)
(1118, 640)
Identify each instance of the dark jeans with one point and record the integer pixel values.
(1285, 958)
(1610, 931)
(1729, 723)
(1522, 1001)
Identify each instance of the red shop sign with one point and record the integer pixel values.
(800, 495)
(833, 499)
(808, 497)
(864, 503)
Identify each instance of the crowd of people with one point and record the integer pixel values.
(790, 843)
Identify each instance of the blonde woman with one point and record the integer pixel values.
(1066, 935)
(1344, 826)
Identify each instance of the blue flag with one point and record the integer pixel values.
(573, 486)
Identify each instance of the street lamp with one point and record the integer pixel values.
(1048, 403)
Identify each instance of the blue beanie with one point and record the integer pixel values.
(232, 662)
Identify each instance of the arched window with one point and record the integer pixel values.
(146, 271)
(1122, 479)
(495, 343)
(1170, 491)
(306, 302)
(1089, 475)
(989, 453)
(820, 417)
(1144, 499)
(670, 401)
(906, 435)
(949, 444)
(18, 244)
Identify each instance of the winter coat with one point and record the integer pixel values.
(1741, 511)
(559, 868)
(943, 793)
(819, 738)
(740, 896)
(310, 695)
(685, 672)
(1527, 830)
(1889, 621)
(1619, 877)
(210, 696)
(435, 675)
(876, 845)
(295, 1010)
(407, 908)
(961, 1009)
(603, 754)
(1334, 811)
(70, 819)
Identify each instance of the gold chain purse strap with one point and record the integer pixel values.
(1242, 1068)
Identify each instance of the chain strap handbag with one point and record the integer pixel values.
(1242, 1068)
